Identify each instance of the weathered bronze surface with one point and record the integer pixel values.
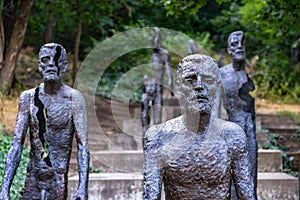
(239, 103)
(197, 155)
(53, 113)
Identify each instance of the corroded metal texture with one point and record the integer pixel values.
(239, 103)
(197, 155)
(53, 113)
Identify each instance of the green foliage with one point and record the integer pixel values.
(19, 179)
(95, 170)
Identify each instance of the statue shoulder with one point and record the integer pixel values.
(164, 130)
(27, 95)
(227, 69)
(233, 131)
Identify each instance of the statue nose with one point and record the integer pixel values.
(199, 84)
(51, 62)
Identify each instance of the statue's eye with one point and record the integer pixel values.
(209, 80)
(235, 43)
(45, 59)
(190, 78)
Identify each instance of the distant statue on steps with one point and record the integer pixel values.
(239, 103)
(160, 65)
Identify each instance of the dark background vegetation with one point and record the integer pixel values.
(271, 29)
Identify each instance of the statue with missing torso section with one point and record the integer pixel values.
(53, 113)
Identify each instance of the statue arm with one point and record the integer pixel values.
(152, 170)
(242, 178)
(15, 152)
(83, 157)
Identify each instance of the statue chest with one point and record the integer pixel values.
(193, 168)
(234, 81)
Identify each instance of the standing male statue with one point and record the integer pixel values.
(160, 65)
(52, 113)
(239, 103)
(197, 155)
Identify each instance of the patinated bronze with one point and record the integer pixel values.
(160, 65)
(52, 113)
(197, 155)
(239, 103)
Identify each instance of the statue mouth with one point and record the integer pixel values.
(51, 71)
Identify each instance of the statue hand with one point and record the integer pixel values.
(4, 195)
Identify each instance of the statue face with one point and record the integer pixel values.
(236, 46)
(196, 83)
(52, 61)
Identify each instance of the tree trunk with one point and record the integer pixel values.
(49, 28)
(295, 52)
(76, 45)
(1, 41)
(14, 45)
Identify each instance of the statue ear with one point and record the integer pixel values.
(178, 88)
(64, 67)
(229, 51)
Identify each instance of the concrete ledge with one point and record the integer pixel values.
(269, 160)
(128, 186)
(118, 161)
(277, 186)
(111, 186)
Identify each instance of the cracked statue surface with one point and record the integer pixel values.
(239, 103)
(197, 155)
(53, 112)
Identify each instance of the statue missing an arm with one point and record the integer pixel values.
(239, 103)
(197, 155)
(53, 113)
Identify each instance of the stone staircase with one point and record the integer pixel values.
(120, 158)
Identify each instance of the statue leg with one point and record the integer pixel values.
(252, 146)
(158, 102)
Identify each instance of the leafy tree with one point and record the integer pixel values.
(13, 24)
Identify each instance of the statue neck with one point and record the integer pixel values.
(238, 65)
(52, 87)
(197, 123)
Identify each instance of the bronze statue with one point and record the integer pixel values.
(160, 65)
(239, 103)
(197, 155)
(52, 113)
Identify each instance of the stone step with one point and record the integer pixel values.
(132, 160)
(117, 161)
(277, 186)
(269, 160)
(111, 186)
(128, 186)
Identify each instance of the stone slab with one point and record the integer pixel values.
(269, 160)
(111, 186)
(117, 161)
(277, 186)
(128, 186)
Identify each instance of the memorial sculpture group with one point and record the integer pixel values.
(196, 156)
